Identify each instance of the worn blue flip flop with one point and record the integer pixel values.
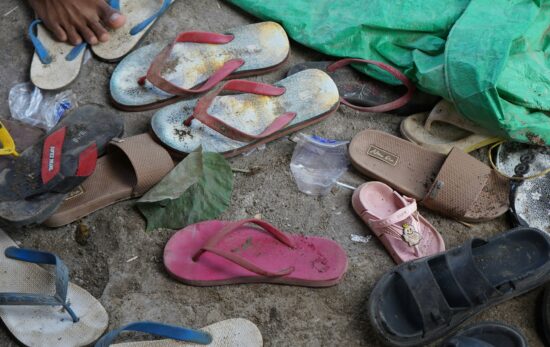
(232, 332)
(55, 64)
(141, 15)
(69, 318)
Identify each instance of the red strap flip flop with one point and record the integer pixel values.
(222, 252)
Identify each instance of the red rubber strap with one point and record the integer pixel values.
(52, 151)
(201, 110)
(390, 106)
(155, 70)
(232, 226)
(87, 160)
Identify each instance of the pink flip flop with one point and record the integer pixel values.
(223, 252)
(394, 219)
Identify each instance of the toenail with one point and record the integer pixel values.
(114, 17)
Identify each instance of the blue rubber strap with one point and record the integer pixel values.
(139, 27)
(465, 341)
(75, 52)
(115, 4)
(39, 48)
(61, 281)
(164, 330)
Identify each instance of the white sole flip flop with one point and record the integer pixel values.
(443, 128)
(141, 15)
(71, 318)
(225, 124)
(54, 64)
(194, 62)
(228, 333)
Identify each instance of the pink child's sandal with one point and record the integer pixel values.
(394, 219)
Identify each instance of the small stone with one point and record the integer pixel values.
(82, 234)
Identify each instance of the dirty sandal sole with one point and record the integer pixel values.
(255, 48)
(310, 95)
(36, 184)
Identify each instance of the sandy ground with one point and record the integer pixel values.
(286, 315)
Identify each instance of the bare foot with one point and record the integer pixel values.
(78, 20)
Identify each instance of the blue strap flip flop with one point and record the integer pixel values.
(231, 332)
(55, 64)
(71, 317)
(141, 15)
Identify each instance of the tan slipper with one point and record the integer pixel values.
(456, 185)
(133, 166)
(444, 128)
(70, 318)
(54, 64)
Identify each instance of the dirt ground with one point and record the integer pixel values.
(286, 315)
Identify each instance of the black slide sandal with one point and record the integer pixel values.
(423, 300)
(35, 185)
(487, 334)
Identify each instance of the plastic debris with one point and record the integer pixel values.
(360, 238)
(41, 109)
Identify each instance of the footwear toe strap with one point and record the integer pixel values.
(158, 329)
(61, 281)
(457, 185)
(150, 161)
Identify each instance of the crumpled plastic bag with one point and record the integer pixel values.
(31, 106)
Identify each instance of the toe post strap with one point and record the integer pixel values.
(61, 281)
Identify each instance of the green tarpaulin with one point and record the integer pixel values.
(490, 57)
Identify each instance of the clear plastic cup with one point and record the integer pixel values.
(317, 163)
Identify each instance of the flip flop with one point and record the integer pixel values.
(54, 64)
(133, 166)
(443, 128)
(194, 62)
(487, 334)
(395, 220)
(15, 137)
(367, 94)
(141, 15)
(35, 185)
(234, 124)
(456, 185)
(231, 332)
(222, 252)
(422, 300)
(72, 317)
(530, 195)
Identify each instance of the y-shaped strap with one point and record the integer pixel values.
(140, 26)
(155, 69)
(164, 330)
(201, 110)
(61, 281)
(232, 226)
(403, 100)
(43, 53)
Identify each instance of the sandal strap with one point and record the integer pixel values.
(457, 185)
(143, 25)
(158, 329)
(472, 283)
(232, 226)
(150, 161)
(201, 110)
(156, 67)
(42, 51)
(401, 101)
(427, 294)
(61, 281)
(395, 217)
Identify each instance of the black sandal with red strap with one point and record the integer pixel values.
(37, 182)
(366, 94)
